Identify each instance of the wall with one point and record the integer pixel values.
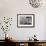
(10, 8)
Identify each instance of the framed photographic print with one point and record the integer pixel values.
(25, 20)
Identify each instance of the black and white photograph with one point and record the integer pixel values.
(25, 20)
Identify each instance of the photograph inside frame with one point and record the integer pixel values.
(25, 20)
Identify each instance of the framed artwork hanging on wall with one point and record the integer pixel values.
(25, 20)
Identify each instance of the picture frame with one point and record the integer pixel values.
(25, 20)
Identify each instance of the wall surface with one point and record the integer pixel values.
(10, 8)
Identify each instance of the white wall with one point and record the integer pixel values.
(10, 8)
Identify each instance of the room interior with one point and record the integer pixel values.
(22, 23)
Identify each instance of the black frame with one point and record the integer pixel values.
(26, 26)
